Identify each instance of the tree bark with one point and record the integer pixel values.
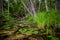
(58, 5)
(40, 1)
(32, 7)
(46, 4)
(26, 8)
(1, 6)
(8, 7)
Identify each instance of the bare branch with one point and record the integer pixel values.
(26, 7)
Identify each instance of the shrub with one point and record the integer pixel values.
(46, 18)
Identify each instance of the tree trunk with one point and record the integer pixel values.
(58, 5)
(8, 7)
(46, 4)
(40, 1)
(1, 5)
(32, 7)
(26, 7)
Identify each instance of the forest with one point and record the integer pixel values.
(29, 19)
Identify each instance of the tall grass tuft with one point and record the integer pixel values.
(46, 18)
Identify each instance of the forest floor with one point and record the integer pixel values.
(13, 35)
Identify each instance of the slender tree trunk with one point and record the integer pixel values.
(8, 7)
(46, 4)
(40, 1)
(15, 2)
(26, 8)
(32, 9)
(1, 6)
(32, 6)
(58, 5)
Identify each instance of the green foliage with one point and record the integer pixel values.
(35, 32)
(29, 17)
(29, 31)
(52, 38)
(9, 20)
(46, 18)
(41, 19)
(22, 30)
(7, 16)
(6, 27)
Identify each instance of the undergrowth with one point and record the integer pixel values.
(46, 18)
(42, 20)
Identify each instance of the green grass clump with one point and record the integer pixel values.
(41, 19)
(46, 18)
